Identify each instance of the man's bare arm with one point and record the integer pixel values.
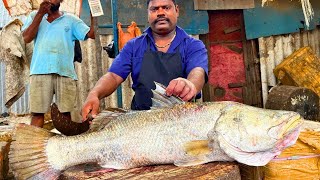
(106, 85)
(30, 33)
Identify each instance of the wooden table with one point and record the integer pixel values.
(215, 170)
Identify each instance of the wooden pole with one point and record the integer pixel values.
(98, 54)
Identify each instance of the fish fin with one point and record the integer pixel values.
(103, 119)
(192, 161)
(197, 148)
(156, 104)
(64, 124)
(160, 99)
(27, 156)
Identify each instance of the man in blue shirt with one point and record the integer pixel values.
(52, 70)
(164, 53)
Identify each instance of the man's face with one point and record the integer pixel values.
(55, 5)
(162, 16)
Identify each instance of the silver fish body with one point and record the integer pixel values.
(138, 139)
(187, 134)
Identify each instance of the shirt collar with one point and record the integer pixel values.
(63, 13)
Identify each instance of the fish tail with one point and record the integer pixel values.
(27, 154)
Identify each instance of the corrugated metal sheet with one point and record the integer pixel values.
(88, 73)
(274, 49)
(3, 109)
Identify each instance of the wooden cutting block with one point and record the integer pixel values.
(214, 170)
(298, 99)
(4, 160)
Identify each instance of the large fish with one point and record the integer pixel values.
(185, 134)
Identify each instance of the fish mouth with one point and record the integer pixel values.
(259, 158)
(286, 127)
(289, 133)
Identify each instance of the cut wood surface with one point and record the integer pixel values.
(215, 170)
(298, 99)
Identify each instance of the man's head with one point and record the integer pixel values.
(148, 1)
(162, 15)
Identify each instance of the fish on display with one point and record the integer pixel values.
(185, 134)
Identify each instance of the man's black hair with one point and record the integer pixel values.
(148, 1)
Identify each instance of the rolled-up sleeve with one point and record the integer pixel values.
(80, 29)
(196, 56)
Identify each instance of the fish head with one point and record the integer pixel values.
(256, 135)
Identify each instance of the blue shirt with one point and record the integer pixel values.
(193, 54)
(54, 44)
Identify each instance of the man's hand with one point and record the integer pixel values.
(91, 33)
(30, 33)
(91, 106)
(100, 91)
(44, 8)
(182, 88)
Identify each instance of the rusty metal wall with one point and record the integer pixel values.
(274, 49)
(4, 18)
(3, 109)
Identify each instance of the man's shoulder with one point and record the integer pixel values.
(137, 40)
(33, 13)
(186, 37)
(190, 43)
(70, 16)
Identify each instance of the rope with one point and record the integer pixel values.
(295, 157)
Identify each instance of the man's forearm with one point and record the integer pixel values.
(91, 33)
(30, 33)
(106, 85)
(197, 77)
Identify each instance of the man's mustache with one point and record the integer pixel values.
(161, 19)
